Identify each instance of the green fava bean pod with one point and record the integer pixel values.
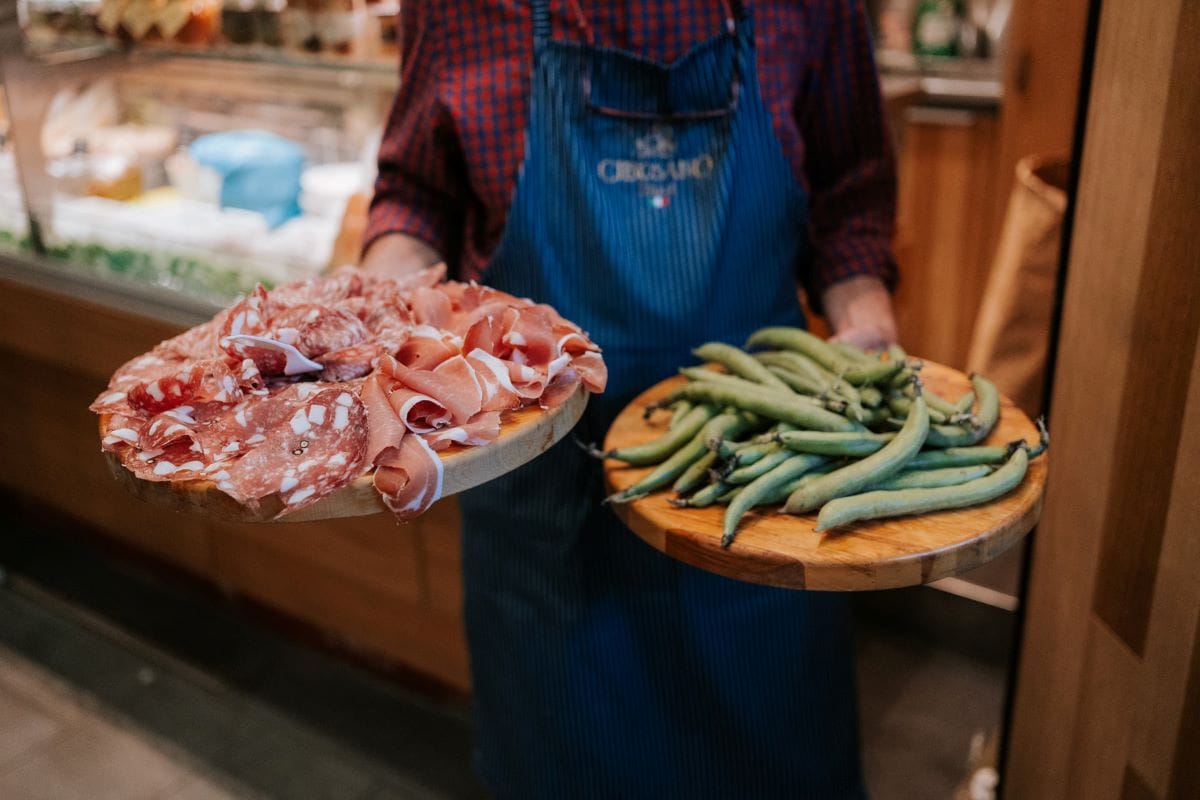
(703, 498)
(965, 403)
(781, 494)
(696, 475)
(852, 352)
(834, 444)
(978, 454)
(803, 366)
(797, 382)
(800, 341)
(703, 375)
(871, 397)
(876, 372)
(986, 417)
(795, 363)
(739, 363)
(900, 406)
(880, 504)
(874, 468)
(938, 403)
(932, 478)
(727, 424)
(660, 449)
(958, 457)
(770, 403)
(678, 412)
(748, 473)
(988, 411)
(763, 486)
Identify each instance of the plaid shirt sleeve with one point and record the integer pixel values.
(851, 171)
(419, 187)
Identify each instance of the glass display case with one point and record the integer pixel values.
(195, 148)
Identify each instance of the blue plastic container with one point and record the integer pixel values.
(259, 171)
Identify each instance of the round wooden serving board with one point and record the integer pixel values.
(524, 435)
(782, 550)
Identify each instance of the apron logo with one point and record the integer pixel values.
(659, 143)
(656, 170)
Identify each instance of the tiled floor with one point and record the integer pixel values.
(56, 744)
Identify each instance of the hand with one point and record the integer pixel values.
(860, 312)
(397, 255)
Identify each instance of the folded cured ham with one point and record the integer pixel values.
(297, 391)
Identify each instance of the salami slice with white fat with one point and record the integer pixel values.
(321, 447)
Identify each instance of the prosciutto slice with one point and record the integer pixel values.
(409, 478)
(483, 429)
(452, 384)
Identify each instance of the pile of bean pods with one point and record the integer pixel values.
(815, 425)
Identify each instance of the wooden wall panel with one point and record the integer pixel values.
(944, 205)
(1100, 727)
(1041, 85)
(1172, 659)
(1184, 778)
(1106, 666)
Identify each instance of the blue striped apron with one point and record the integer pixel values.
(656, 209)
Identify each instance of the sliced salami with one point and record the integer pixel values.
(321, 447)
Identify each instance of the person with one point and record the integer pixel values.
(662, 173)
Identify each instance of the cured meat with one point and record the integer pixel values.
(407, 369)
(385, 428)
(178, 462)
(592, 370)
(166, 391)
(560, 389)
(483, 429)
(431, 307)
(451, 384)
(531, 335)
(410, 481)
(350, 362)
(315, 330)
(427, 347)
(321, 447)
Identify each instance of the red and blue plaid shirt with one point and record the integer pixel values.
(454, 142)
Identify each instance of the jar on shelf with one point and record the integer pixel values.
(268, 17)
(238, 22)
(203, 25)
(936, 26)
(342, 26)
(297, 27)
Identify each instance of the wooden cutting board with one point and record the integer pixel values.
(783, 550)
(524, 435)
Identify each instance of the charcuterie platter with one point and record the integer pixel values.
(785, 550)
(346, 395)
(524, 435)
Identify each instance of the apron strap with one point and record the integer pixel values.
(541, 22)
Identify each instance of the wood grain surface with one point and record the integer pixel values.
(783, 550)
(1107, 694)
(524, 435)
